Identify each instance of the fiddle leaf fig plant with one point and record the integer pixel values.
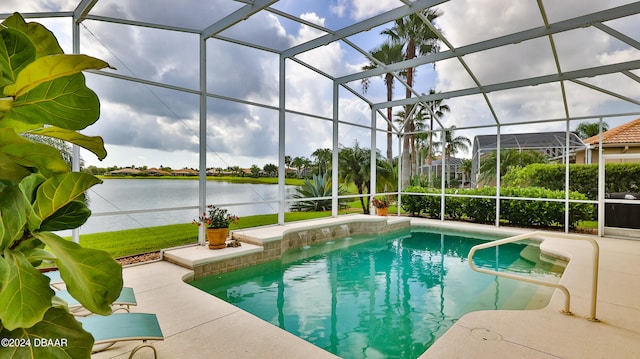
(43, 92)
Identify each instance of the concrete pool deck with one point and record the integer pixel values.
(196, 324)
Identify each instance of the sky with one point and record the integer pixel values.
(144, 125)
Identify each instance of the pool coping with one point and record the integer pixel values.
(188, 316)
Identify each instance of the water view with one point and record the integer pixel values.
(115, 195)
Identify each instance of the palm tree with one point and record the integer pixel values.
(418, 38)
(453, 145)
(586, 130)
(387, 53)
(271, 169)
(422, 145)
(323, 159)
(299, 163)
(354, 165)
(287, 162)
(435, 110)
(466, 167)
(65, 150)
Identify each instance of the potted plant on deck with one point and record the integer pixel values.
(217, 221)
(382, 205)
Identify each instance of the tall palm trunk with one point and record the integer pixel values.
(407, 163)
(389, 81)
(430, 158)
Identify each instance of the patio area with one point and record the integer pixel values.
(196, 324)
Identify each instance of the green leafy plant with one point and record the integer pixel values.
(482, 209)
(318, 187)
(380, 202)
(216, 218)
(43, 93)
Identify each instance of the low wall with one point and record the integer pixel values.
(274, 241)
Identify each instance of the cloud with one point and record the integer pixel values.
(467, 22)
(362, 9)
(144, 116)
(152, 118)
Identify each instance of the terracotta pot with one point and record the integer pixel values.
(217, 237)
(382, 211)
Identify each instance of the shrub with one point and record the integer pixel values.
(480, 210)
(620, 177)
(521, 212)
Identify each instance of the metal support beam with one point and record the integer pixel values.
(533, 81)
(335, 146)
(365, 25)
(515, 38)
(75, 156)
(202, 166)
(83, 8)
(239, 15)
(373, 165)
(281, 138)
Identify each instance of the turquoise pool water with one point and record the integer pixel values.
(389, 296)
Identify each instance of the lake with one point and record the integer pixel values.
(125, 195)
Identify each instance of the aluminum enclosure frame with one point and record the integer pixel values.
(596, 20)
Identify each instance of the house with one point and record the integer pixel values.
(184, 172)
(157, 172)
(624, 139)
(454, 170)
(126, 172)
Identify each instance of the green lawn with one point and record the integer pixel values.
(141, 240)
(134, 241)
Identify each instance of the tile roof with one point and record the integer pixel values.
(627, 133)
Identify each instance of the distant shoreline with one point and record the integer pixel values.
(231, 179)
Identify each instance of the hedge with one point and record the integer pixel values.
(482, 210)
(620, 177)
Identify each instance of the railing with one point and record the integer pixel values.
(567, 302)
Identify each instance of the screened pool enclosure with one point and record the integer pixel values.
(226, 83)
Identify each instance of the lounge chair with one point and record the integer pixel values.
(55, 280)
(119, 327)
(123, 302)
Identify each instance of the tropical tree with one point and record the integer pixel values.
(255, 170)
(453, 145)
(586, 130)
(270, 169)
(62, 147)
(418, 39)
(466, 167)
(387, 53)
(434, 110)
(322, 159)
(509, 159)
(300, 163)
(287, 162)
(44, 94)
(317, 188)
(354, 165)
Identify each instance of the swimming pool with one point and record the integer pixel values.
(388, 296)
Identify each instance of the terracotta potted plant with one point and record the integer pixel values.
(217, 221)
(382, 205)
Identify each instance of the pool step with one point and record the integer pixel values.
(538, 296)
(532, 254)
